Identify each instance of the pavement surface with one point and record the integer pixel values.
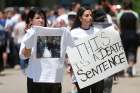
(14, 81)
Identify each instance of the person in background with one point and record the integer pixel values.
(127, 21)
(102, 20)
(75, 6)
(18, 34)
(62, 18)
(71, 18)
(81, 28)
(51, 17)
(3, 44)
(12, 17)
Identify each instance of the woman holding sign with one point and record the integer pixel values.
(35, 17)
(81, 28)
(44, 71)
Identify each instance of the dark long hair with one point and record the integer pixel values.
(127, 4)
(32, 13)
(77, 22)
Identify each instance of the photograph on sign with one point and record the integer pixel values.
(48, 46)
(48, 53)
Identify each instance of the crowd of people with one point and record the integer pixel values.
(17, 47)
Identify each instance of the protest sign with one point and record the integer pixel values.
(96, 57)
(48, 52)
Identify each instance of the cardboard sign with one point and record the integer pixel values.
(97, 57)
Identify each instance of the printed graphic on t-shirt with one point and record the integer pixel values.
(48, 46)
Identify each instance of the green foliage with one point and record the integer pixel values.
(136, 5)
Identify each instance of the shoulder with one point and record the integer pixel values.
(96, 29)
(65, 30)
(30, 31)
(136, 14)
(76, 30)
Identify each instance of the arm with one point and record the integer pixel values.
(68, 66)
(26, 52)
(26, 46)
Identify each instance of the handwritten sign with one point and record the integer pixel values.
(96, 57)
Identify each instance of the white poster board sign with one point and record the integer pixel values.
(96, 57)
(48, 53)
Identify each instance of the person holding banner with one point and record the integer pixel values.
(44, 74)
(81, 28)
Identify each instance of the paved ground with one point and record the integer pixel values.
(129, 85)
(15, 82)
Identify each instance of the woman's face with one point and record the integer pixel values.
(86, 19)
(38, 20)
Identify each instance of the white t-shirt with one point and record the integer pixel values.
(81, 33)
(19, 32)
(42, 68)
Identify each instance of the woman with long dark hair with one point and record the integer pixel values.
(81, 28)
(128, 23)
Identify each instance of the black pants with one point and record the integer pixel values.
(1, 62)
(94, 88)
(108, 84)
(33, 87)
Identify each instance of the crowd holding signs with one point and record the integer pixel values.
(97, 57)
